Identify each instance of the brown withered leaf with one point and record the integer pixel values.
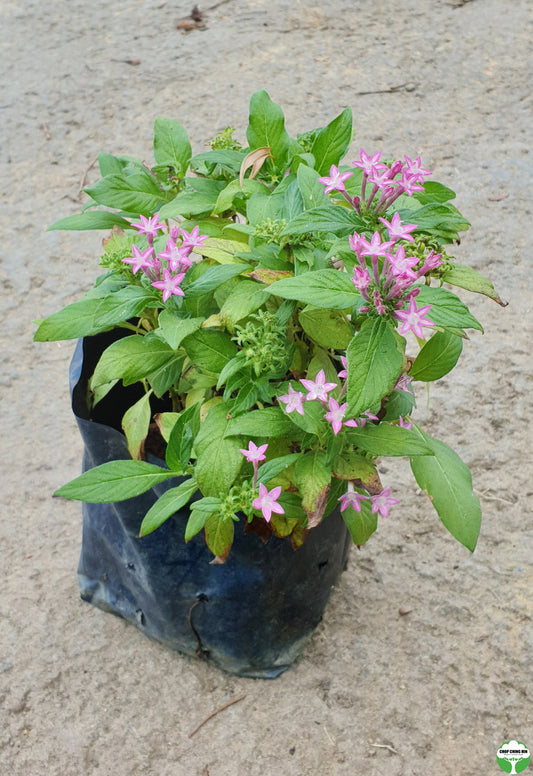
(255, 159)
(259, 527)
(219, 560)
(314, 518)
(116, 231)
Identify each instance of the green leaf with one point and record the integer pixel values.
(218, 534)
(438, 357)
(447, 310)
(271, 469)
(331, 218)
(95, 219)
(246, 398)
(174, 329)
(469, 279)
(434, 192)
(135, 424)
(312, 421)
(213, 278)
(110, 165)
(221, 250)
(436, 218)
(388, 440)
(331, 142)
(218, 458)
(199, 196)
(268, 422)
(374, 363)
(246, 297)
(209, 349)
(448, 482)
(231, 160)
(181, 438)
(166, 505)
(171, 144)
(132, 359)
(329, 328)
(136, 193)
(114, 481)
(311, 189)
(311, 477)
(95, 314)
(326, 288)
(266, 128)
(354, 466)
(361, 525)
(199, 515)
(399, 404)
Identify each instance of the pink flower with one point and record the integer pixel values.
(368, 163)
(351, 499)
(176, 257)
(375, 247)
(254, 453)
(170, 284)
(361, 278)
(267, 501)
(192, 239)
(293, 400)
(335, 181)
(401, 264)
(344, 372)
(413, 319)
(403, 383)
(149, 226)
(318, 388)
(408, 424)
(336, 416)
(397, 230)
(433, 260)
(139, 260)
(408, 184)
(414, 167)
(382, 501)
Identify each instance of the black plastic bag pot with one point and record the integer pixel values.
(250, 616)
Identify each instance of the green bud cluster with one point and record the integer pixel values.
(223, 141)
(270, 231)
(264, 343)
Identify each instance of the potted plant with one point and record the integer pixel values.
(244, 360)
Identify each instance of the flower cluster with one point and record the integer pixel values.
(380, 502)
(166, 269)
(267, 501)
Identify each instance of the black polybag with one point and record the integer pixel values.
(250, 616)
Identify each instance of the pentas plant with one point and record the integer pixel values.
(262, 294)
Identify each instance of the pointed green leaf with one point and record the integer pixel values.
(136, 193)
(213, 278)
(266, 128)
(331, 142)
(271, 469)
(95, 219)
(114, 481)
(171, 144)
(329, 328)
(167, 505)
(268, 422)
(448, 483)
(218, 458)
(180, 442)
(132, 359)
(374, 364)
(135, 424)
(361, 525)
(175, 329)
(311, 476)
(209, 349)
(326, 288)
(438, 357)
(447, 310)
(218, 534)
(331, 218)
(467, 278)
(388, 440)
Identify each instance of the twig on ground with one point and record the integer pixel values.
(409, 86)
(385, 746)
(216, 711)
(83, 177)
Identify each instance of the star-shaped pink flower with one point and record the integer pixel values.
(176, 256)
(382, 501)
(335, 181)
(369, 164)
(318, 388)
(293, 400)
(149, 226)
(170, 284)
(267, 501)
(139, 260)
(344, 372)
(375, 247)
(360, 278)
(413, 319)
(254, 453)
(192, 239)
(397, 230)
(402, 265)
(336, 416)
(352, 499)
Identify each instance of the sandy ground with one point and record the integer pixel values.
(435, 691)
